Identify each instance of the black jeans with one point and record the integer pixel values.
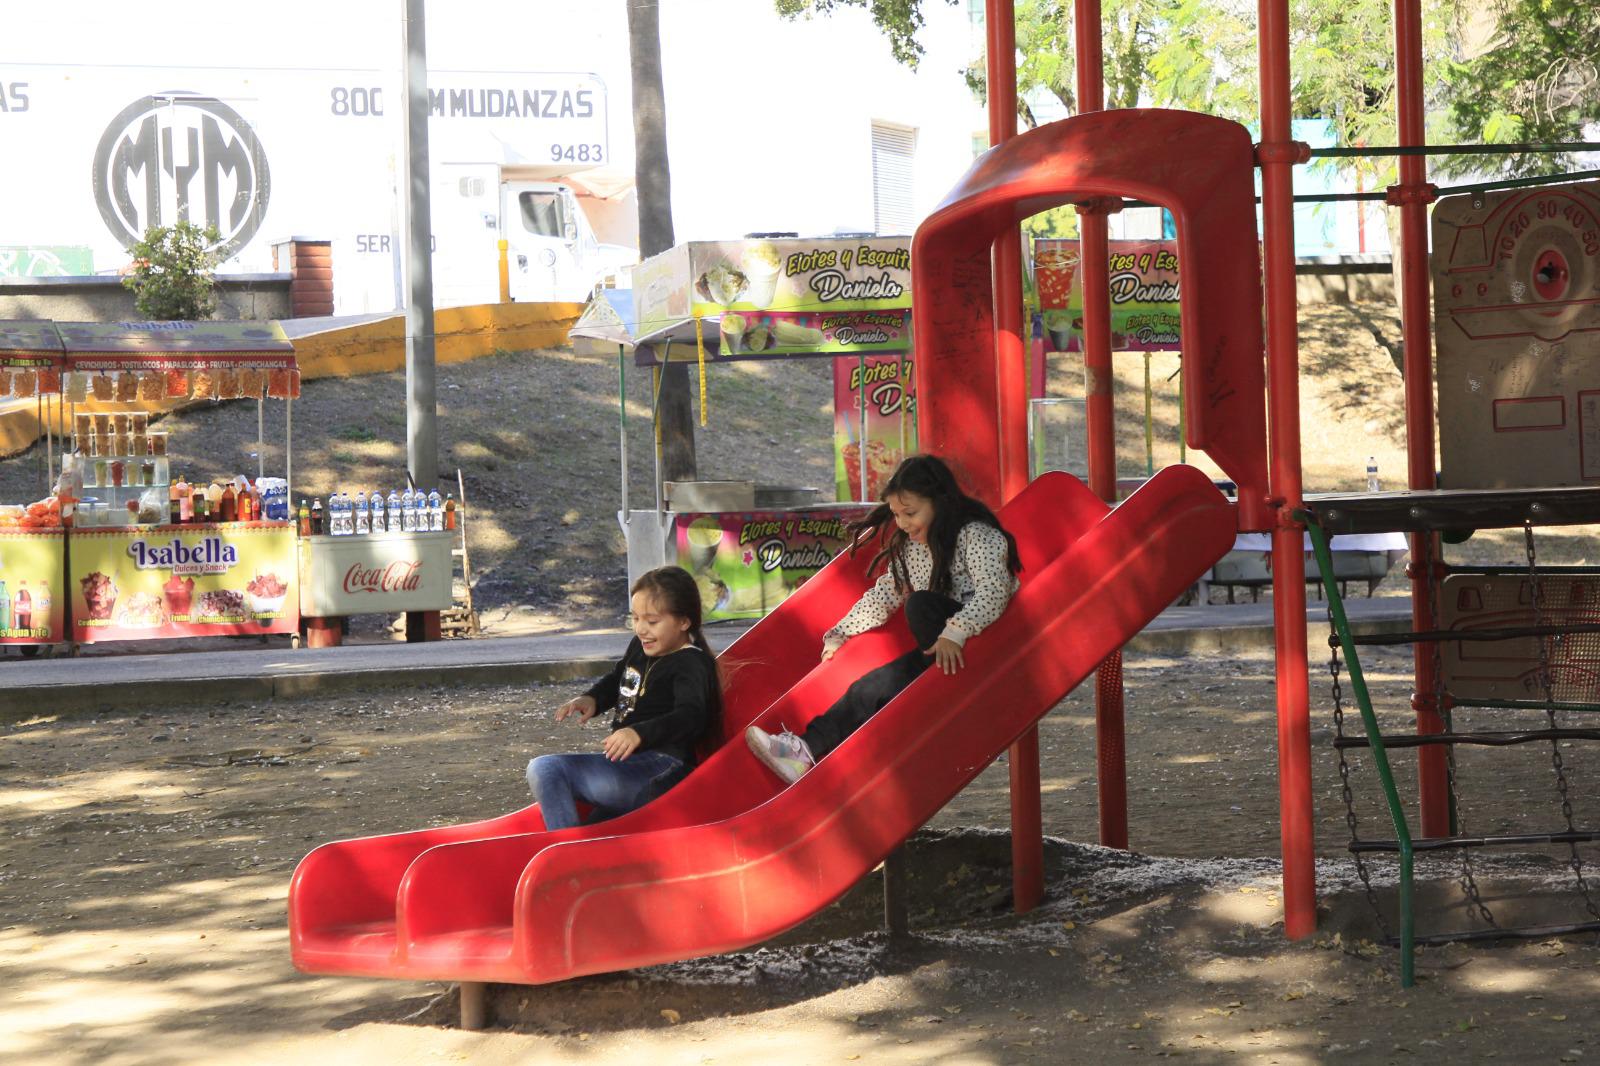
(926, 613)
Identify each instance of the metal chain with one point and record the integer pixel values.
(1467, 881)
(1344, 777)
(1547, 683)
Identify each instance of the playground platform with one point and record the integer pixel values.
(244, 670)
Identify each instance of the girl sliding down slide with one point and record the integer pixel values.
(948, 562)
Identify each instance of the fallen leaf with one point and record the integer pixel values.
(672, 1016)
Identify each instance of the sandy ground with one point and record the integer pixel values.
(143, 882)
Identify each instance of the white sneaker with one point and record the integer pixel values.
(783, 753)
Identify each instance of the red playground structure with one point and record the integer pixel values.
(728, 858)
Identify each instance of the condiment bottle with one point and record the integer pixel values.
(185, 501)
(449, 511)
(228, 507)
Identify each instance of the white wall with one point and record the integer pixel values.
(769, 122)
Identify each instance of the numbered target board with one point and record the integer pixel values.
(1516, 289)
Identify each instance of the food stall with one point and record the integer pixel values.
(138, 553)
(32, 540)
(844, 298)
(148, 555)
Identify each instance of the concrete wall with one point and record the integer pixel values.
(103, 299)
(1344, 279)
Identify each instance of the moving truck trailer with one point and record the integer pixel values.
(100, 152)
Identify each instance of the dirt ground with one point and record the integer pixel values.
(143, 882)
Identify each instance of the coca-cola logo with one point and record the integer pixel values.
(402, 575)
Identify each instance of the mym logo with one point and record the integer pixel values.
(180, 156)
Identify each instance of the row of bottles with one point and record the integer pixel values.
(229, 501)
(412, 511)
(26, 611)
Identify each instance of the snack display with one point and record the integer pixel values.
(143, 610)
(99, 595)
(43, 514)
(179, 593)
(221, 603)
(127, 388)
(104, 387)
(151, 387)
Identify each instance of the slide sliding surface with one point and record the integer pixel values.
(730, 858)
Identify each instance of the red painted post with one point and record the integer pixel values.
(1011, 385)
(1110, 729)
(1277, 156)
(1413, 195)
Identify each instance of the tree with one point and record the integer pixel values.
(1536, 82)
(172, 272)
(653, 185)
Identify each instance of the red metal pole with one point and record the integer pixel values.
(1277, 156)
(1027, 821)
(1413, 195)
(1110, 736)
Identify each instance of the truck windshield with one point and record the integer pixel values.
(543, 214)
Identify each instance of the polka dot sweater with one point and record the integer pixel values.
(978, 579)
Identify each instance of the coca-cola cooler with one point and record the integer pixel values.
(379, 573)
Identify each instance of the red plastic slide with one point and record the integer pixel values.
(729, 858)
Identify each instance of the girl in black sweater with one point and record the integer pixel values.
(665, 697)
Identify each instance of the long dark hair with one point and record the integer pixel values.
(674, 592)
(926, 476)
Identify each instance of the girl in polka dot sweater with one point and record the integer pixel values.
(947, 562)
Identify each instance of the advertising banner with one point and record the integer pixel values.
(1144, 295)
(381, 573)
(746, 563)
(780, 297)
(31, 569)
(891, 429)
(183, 581)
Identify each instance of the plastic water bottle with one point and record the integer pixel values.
(363, 517)
(435, 512)
(1372, 474)
(378, 523)
(408, 511)
(393, 523)
(346, 521)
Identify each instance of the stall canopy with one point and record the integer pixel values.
(761, 299)
(35, 345)
(175, 346)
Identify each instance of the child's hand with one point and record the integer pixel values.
(621, 744)
(947, 653)
(830, 648)
(582, 706)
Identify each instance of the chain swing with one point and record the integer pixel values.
(1547, 686)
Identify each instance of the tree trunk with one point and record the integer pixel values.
(653, 183)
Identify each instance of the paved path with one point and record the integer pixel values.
(250, 671)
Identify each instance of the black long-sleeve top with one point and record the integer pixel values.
(668, 699)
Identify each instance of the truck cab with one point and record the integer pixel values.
(553, 252)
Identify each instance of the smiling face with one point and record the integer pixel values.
(659, 633)
(912, 513)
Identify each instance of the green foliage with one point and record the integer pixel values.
(172, 271)
(898, 19)
(1535, 81)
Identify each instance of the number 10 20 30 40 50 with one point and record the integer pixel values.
(577, 153)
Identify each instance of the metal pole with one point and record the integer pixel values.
(261, 438)
(1093, 268)
(422, 430)
(1277, 156)
(1011, 387)
(1413, 196)
(622, 419)
(861, 438)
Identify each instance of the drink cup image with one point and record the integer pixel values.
(705, 537)
(733, 327)
(763, 265)
(1059, 325)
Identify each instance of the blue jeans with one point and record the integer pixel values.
(560, 782)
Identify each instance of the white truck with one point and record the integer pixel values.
(553, 251)
(266, 153)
